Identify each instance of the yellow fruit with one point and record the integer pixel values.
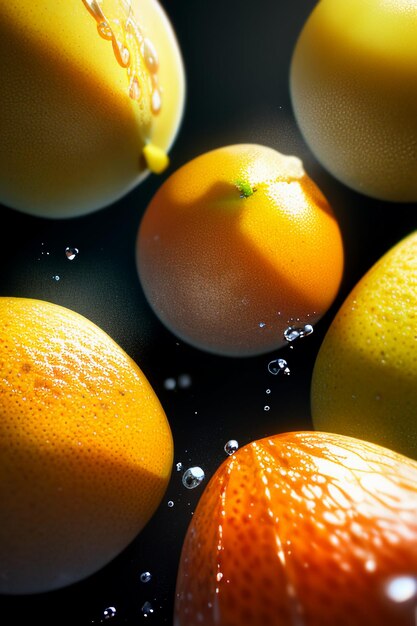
(364, 381)
(86, 85)
(86, 448)
(237, 246)
(353, 83)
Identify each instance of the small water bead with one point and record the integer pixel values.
(104, 30)
(134, 89)
(262, 324)
(231, 446)
(278, 365)
(147, 609)
(145, 577)
(150, 55)
(266, 407)
(109, 612)
(293, 332)
(193, 477)
(184, 381)
(268, 391)
(170, 384)
(156, 101)
(170, 504)
(56, 277)
(71, 253)
(179, 466)
(401, 588)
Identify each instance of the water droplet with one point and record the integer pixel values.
(268, 391)
(71, 253)
(262, 324)
(109, 612)
(145, 577)
(192, 477)
(150, 56)
(104, 30)
(231, 446)
(147, 609)
(156, 101)
(401, 588)
(170, 504)
(56, 277)
(179, 466)
(184, 381)
(278, 365)
(170, 383)
(266, 407)
(134, 89)
(293, 332)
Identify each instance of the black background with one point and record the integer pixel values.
(237, 56)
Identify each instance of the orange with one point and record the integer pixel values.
(236, 246)
(303, 528)
(91, 101)
(86, 448)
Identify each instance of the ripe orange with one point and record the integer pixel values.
(86, 448)
(303, 528)
(237, 245)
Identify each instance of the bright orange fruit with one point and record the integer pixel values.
(303, 528)
(236, 246)
(85, 447)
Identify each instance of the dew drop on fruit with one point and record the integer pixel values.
(147, 609)
(109, 612)
(145, 577)
(401, 588)
(231, 446)
(71, 253)
(278, 365)
(293, 332)
(193, 477)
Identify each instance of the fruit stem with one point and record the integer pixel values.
(244, 187)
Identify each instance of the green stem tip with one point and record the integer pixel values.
(244, 187)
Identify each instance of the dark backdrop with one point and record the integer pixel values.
(237, 56)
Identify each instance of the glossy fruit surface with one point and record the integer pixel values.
(364, 380)
(86, 448)
(353, 84)
(303, 528)
(86, 85)
(235, 247)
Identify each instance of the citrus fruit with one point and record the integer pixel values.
(236, 247)
(91, 101)
(86, 448)
(303, 528)
(353, 85)
(364, 381)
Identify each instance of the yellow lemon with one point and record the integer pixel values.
(353, 84)
(364, 380)
(86, 86)
(86, 448)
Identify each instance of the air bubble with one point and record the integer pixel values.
(71, 253)
(193, 477)
(109, 612)
(278, 365)
(262, 324)
(147, 609)
(179, 466)
(145, 577)
(266, 408)
(231, 446)
(293, 332)
(170, 504)
(56, 277)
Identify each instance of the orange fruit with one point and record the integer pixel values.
(303, 528)
(91, 101)
(353, 86)
(236, 246)
(86, 448)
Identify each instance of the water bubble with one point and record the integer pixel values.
(266, 407)
(179, 466)
(268, 391)
(170, 383)
(262, 324)
(278, 365)
(145, 577)
(401, 588)
(231, 446)
(294, 332)
(184, 381)
(170, 504)
(109, 612)
(71, 253)
(147, 609)
(192, 477)
(56, 277)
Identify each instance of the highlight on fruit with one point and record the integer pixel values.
(91, 102)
